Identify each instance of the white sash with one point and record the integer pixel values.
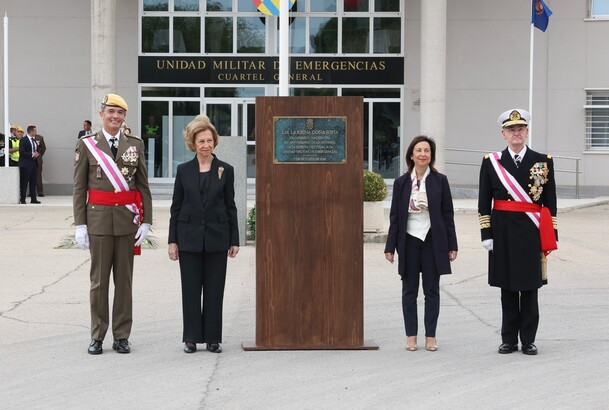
(111, 170)
(512, 186)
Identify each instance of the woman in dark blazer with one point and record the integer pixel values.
(422, 231)
(203, 231)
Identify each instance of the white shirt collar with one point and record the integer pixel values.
(108, 135)
(521, 153)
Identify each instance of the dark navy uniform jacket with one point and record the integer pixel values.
(515, 262)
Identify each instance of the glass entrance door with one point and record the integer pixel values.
(235, 117)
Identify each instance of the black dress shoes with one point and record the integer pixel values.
(506, 348)
(190, 347)
(121, 346)
(214, 347)
(95, 347)
(35, 202)
(529, 349)
(22, 202)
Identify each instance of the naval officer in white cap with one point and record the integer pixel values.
(517, 211)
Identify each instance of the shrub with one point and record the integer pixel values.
(251, 222)
(375, 188)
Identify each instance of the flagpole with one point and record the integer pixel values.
(531, 57)
(6, 119)
(284, 48)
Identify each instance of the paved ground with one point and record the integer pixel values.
(44, 331)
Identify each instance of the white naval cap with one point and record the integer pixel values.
(515, 116)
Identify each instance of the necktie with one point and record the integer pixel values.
(517, 160)
(113, 146)
(34, 145)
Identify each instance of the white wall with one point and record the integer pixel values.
(50, 74)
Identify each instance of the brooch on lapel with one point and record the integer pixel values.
(539, 175)
(220, 172)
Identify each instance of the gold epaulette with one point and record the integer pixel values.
(549, 156)
(485, 221)
(486, 156)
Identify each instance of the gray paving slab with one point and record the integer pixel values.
(44, 331)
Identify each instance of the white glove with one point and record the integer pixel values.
(141, 234)
(82, 237)
(488, 244)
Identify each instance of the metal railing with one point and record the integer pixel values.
(566, 171)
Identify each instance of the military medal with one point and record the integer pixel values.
(131, 155)
(539, 175)
(98, 172)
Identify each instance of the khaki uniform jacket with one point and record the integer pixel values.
(88, 174)
(42, 148)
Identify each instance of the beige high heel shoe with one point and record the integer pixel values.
(431, 344)
(411, 343)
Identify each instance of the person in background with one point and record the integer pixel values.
(3, 151)
(517, 211)
(86, 131)
(13, 142)
(42, 148)
(126, 129)
(112, 214)
(28, 165)
(203, 231)
(422, 231)
(152, 135)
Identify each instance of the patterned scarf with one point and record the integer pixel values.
(418, 193)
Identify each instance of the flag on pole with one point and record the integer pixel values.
(540, 15)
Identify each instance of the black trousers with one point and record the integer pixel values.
(202, 273)
(420, 259)
(28, 177)
(520, 312)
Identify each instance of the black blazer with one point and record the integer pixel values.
(25, 154)
(191, 226)
(441, 213)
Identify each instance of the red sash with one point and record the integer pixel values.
(119, 198)
(546, 229)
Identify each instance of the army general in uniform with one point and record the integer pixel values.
(112, 214)
(517, 211)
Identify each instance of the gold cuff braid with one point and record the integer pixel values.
(485, 221)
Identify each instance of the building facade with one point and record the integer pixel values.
(174, 59)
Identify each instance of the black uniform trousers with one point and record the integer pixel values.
(420, 259)
(520, 314)
(205, 273)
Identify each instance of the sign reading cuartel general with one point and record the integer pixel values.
(309, 140)
(265, 70)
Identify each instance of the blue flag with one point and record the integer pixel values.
(541, 15)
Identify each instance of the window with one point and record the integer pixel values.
(597, 120)
(599, 8)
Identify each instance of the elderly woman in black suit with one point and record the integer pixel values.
(422, 230)
(203, 231)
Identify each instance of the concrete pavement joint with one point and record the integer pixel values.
(467, 279)
(471, 312)
(43, 323)
(209, 381)
(42, 291)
